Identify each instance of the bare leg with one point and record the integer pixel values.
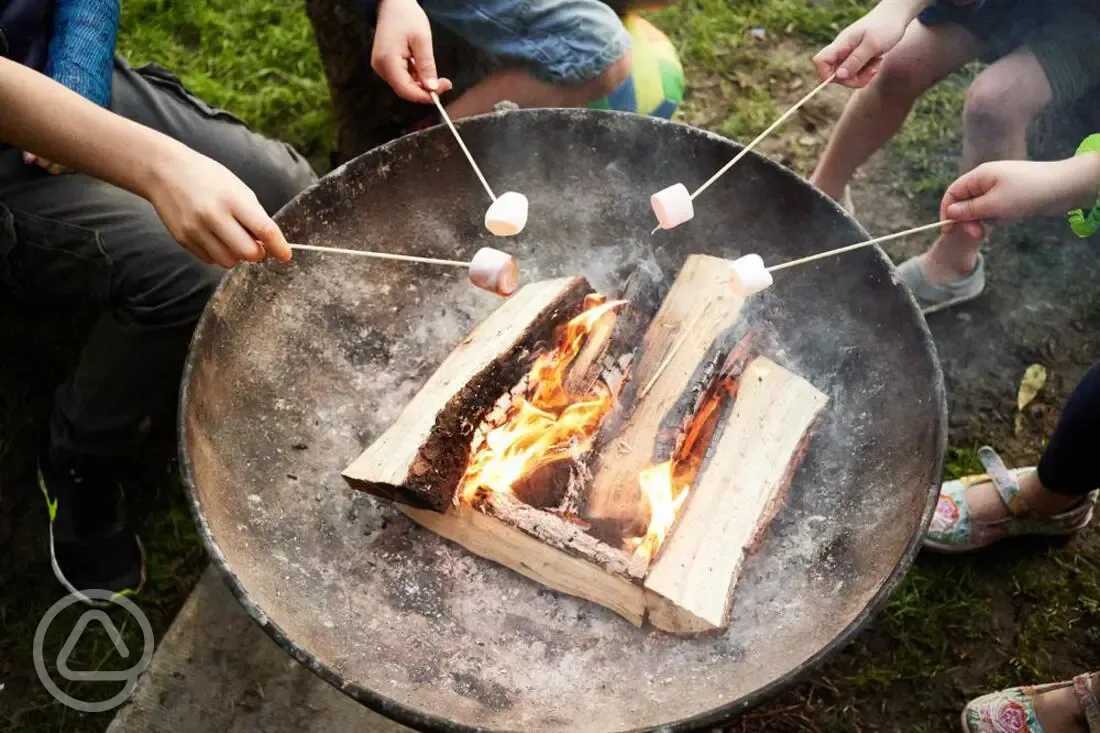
(1000, 105)
(1059, 711)
(519, 86)
(875, 114)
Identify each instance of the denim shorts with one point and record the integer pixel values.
(561, 42)
(1061, 33)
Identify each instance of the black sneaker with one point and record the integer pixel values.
(91, 547)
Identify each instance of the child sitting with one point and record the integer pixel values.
(1043, 53)
(558, 53)
(1056, 497)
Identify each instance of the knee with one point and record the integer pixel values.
(610, 79)
(993, 107)
(901, 77)
(280, 174)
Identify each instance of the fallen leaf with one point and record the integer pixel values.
(1034, 378)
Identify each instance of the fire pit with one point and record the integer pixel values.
(297, 368)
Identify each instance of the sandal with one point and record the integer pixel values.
(933, 297)
(953, 529)
(1013, 710)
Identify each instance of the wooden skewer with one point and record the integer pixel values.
(761, 136)
(382, 255)
(850, 247)
(461, 144)
(745, 150)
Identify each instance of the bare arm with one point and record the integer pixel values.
(207, 209)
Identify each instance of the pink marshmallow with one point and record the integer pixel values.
(672, 206)
(748, 276)
(495, 271)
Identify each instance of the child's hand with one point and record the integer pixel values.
(403, 54)
(54, 168)
(857, 52)
(210, 212)
(1016, 189)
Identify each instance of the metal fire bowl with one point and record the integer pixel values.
(295, 368)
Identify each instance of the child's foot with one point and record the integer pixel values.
(976, 511)
(91, 547)
(933, 295)
(1063, 707)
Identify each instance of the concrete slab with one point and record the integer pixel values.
(215, 670)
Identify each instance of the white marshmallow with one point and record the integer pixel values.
(495, 271)
(748, 276)
(672, 206)
(507, 215)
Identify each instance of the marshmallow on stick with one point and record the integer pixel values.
(507, 215)
(490, 269)
(673, 205)
(749, 276)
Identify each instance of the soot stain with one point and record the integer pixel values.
(358, 341)
(490, 694)
(424, 674)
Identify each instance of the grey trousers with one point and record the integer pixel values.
(73, 240)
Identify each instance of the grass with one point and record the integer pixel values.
(956, 627)
(256, 58)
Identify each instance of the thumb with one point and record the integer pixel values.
(424, 58)
(860, 56)
(983, 206)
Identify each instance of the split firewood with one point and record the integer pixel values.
(541, 546)
(610, 347)
(698, 309)
(736, 493)
(421, 458)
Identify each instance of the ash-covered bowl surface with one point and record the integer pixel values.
(296, 368)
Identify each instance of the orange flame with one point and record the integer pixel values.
(547, 425)
(664, 499)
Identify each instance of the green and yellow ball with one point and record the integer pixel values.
(655, 86)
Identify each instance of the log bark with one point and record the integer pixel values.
(700, 308)
(736, 493)
(421, 458)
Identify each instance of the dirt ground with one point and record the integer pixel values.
(958, 627)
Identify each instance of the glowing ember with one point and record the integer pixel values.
(547, 425)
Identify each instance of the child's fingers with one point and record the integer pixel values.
(424, 60)
(395, 70)
(215, 250)
(974, 229)
(829, 57)
(239, 241)
(263, 229)
(855, 62)
(867, 74)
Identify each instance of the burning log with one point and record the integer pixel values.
(736, 493)
(421, 458)
(699, 308)
(543, 547)
(694, 438)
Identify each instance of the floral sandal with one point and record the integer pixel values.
(954, 530)
(1013, 710)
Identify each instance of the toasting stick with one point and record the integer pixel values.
(490, 269)
(673, 205)
(507, 215)
(749, 275)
